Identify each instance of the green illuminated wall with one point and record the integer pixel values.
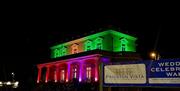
(109, 40)
(120, 38)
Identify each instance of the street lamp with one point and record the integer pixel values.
(155, 55)
(13, 75)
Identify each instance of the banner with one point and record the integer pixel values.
(164, 72)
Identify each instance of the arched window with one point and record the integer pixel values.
(56, 53)
(123, 44)
(99, 43)
(64, 50)
(88, 45)
(74, 48)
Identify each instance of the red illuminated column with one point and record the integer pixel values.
(96, 70)
(47, 73)
(68, 71)
(56, 73)
(39, 74)
(68, 66)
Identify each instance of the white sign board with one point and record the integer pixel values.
(125, 74)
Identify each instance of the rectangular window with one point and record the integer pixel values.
(88, 48)
(123, 47)
(99, 46)
(64, 50)
(75, 51)
(88, 72)
(62, 75)
(75, 73)
(55, 76)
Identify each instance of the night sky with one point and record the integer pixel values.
(26, 35)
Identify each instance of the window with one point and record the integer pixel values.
(75, 72)
(56, 53)
(62, 75)
(64, 51)
(88, 48)
(88, 72)
(98, 43)
(74, 48)
(99, 46)
(123, 44)
(88, 45)
(123, 47)
(55, 76)
(75, 51)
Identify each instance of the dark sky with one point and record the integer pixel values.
(26, 35)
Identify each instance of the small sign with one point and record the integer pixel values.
(125, 74)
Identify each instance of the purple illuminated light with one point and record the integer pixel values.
(105, 60)
(80, 79)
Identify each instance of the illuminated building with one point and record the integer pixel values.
(80, 59)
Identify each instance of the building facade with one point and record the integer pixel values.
(80, 59)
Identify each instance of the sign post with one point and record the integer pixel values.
(101, 77)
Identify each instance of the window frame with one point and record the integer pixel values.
(74, 48)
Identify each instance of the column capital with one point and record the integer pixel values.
(39, 66)
(47, 66)
(57, 65)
